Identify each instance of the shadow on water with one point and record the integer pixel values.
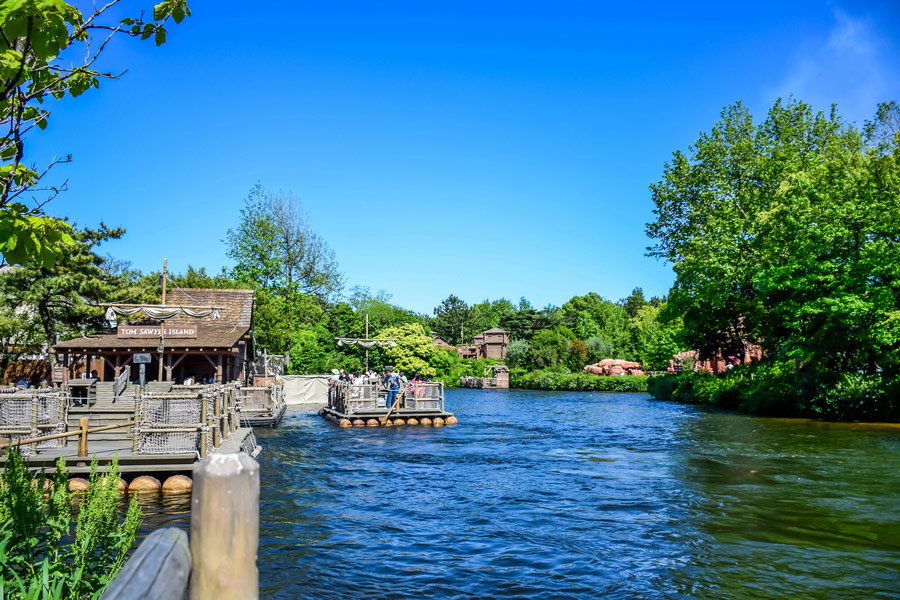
(575, 495)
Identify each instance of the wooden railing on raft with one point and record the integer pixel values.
(220, 558)
(349, 398)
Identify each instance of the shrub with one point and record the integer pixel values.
(554, 380)
(778, 388)
(43, 552)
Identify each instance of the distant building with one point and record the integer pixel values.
(487, 344)
(441, 342)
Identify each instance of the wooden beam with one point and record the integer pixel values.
(158, 570)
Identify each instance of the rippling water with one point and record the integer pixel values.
(576, 495)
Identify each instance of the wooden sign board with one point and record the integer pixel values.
(141, 359)
(58, 374)
(152, 331)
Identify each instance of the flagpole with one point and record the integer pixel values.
(367, 339)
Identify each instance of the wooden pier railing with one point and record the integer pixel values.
(219, 560)
(186, 420)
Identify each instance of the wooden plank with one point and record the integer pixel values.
(158, 570)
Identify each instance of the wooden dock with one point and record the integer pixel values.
(157, 429)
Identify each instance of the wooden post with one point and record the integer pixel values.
(235, 418)
(217, 412)
(204, 419)
(225, 528)
(82, 441)
(136, 431)
(34, 422)
(164, 273)
(62, 417)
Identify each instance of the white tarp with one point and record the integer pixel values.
(160, 312)
(306, 389)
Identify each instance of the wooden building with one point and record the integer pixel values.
(192, 347)
(487, 344)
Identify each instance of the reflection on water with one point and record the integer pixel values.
(551, 495)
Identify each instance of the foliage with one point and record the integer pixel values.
(413, 352)
(552, 380)
(451, 319)
(275, 248)
(786, 233)
(777, 388)
(63, 300)
(43, 552)
(48, 50)
(711, 207)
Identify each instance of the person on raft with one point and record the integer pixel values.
(392, 383)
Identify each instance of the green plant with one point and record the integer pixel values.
(44, 553)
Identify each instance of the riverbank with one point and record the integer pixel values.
(555, 381)
(776, 388)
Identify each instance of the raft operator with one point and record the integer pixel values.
(392, 382)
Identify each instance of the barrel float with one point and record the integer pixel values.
(321, 412)
(144, 483)
(372, 423)
(425, 421)
(451, 420)
(387, 423)
(123, 486)
(438, 422)
(344, 423)
(399, 421)
(177, 484)
(77, 484)
(412, 421)
(359, 423)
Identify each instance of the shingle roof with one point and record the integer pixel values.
(236, 320)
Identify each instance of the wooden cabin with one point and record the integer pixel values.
(487, 344)
(192, 348)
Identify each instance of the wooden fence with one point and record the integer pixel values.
(219, 560)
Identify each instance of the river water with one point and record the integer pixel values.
(576, 495)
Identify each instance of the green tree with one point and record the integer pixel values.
(830, 257)
(274, 247)
(452, 318)
(65, 298)
(414, 350)
(634, 302)
(711, 206)
(36, 35)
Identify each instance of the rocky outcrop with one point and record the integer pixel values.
(614, 367)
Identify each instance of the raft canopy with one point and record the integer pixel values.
(366, 343)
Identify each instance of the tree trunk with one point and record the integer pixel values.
(49, 330)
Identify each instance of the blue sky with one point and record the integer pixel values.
(484, 149)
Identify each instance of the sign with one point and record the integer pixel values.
(152, 331)
(58, 373)
(141, 359)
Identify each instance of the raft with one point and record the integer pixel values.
(365, 405)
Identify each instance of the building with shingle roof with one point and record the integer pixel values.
(198, 347)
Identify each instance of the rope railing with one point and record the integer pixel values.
(187, 419)
(25, 414)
